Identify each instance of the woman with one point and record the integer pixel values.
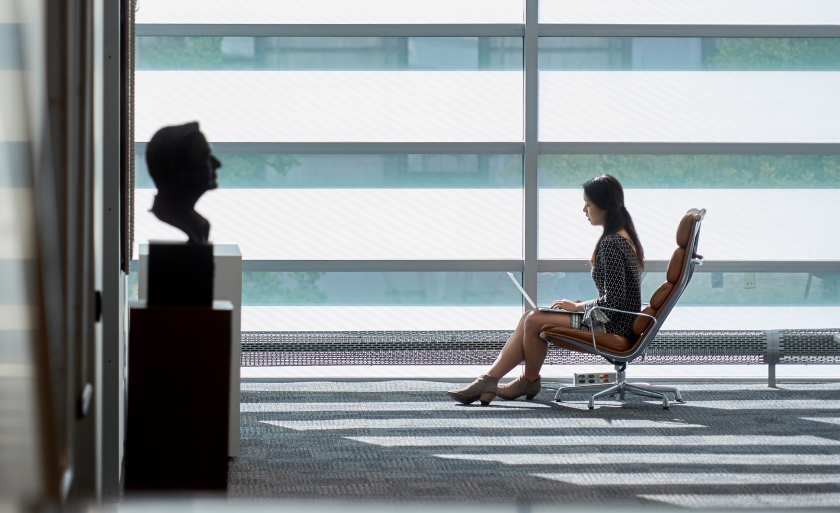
(617, 263)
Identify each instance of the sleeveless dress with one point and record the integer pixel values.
(617, 274)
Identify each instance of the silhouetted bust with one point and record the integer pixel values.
(183, 168)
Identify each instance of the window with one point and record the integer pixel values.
(387, 155)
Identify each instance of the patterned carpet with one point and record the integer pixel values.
(728, 446)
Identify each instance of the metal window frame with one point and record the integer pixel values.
(361, 148)
(745, 31)
(326, 30)
(518, 265)
(530, 147)
(482, 30)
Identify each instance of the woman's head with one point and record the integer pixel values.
(603, 204)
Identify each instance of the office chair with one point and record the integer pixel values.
(620, 351)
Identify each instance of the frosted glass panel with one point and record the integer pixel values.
(685, 106)
(379, 318)
(337, 301)
(741, 224)
(331, 11)
(279, 224)
(692, 12)
(276, 106)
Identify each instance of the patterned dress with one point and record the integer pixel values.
(617, 274)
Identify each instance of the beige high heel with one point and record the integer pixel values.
(519, 387)
(484, 389)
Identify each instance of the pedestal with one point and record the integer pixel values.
(180, 274)
(227, 285)
(178, 397)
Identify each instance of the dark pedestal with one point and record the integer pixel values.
(178, 394)
(180, 274)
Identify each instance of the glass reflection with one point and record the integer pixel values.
(360, 171)
(688, 54)
(712, 289)
(329, 53)
(378, 289)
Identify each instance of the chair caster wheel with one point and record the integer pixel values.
(591, 404)
(666, 408)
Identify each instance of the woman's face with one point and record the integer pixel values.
(593, 213)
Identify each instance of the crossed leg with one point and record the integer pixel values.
(525, 344)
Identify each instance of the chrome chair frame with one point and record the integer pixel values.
(620, 361)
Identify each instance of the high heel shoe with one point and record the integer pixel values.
(484, 389)
(519, 387)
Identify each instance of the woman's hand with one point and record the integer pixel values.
(565, 304)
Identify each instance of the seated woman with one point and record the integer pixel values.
(617, 264)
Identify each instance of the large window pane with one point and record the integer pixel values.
(331, 11)
(340, 207)
(691, 12)
(378, 301)
(760, 207)
(691, 90)
(333, 89)
(725, 301)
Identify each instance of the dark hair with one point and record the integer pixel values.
(607, 194)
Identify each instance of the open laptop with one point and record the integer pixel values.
(531, 301)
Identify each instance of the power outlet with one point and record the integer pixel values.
(594, 378)
(749, 280)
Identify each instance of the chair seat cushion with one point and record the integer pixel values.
(605, 341)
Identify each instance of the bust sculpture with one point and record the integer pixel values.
(183, 168)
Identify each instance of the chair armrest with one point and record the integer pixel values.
(592, 328)
(698, 260)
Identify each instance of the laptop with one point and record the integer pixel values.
(531, 301)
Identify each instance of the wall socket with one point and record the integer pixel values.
(749, 280)
(594, 378)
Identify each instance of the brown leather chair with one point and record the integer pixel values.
(620, 351)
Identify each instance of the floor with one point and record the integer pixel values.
(728, 446)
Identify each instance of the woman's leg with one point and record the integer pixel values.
(525, 344)
(513, 353)
(535, 348)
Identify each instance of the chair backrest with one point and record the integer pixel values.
(680, 269)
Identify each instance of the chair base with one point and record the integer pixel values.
(621, 388)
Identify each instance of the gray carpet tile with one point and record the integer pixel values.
(728, 446)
